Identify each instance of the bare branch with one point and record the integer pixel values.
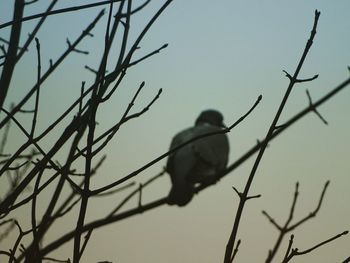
(286, 227)
(90, 69)
(127, 198)
(56, 260)
(19, 105)
(290, 243)
(232, 238)
(75, 49)
(296, 252)
(140, 195)
(11, 53)
(313, 213)
(306, 80)
(237, 192)
(314, 109)
(236, 250)
(37, 90)
(147, 56)
(272, 221)
(58, 11)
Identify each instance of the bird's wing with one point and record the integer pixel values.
(214, 149)
(182, 161)
(179, 166)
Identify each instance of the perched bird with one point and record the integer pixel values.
(200, 161)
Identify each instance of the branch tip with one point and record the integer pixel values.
(327, 183)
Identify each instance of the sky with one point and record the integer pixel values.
(221, 55)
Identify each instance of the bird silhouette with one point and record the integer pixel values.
(198, 162)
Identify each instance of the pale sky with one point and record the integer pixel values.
(221, 55)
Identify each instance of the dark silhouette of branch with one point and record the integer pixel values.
(75, 49)
(157, 203)
(313, 213)
(42, 152)
(35, 31)
(10, 59)
(236, 250)
(37, 90)
(86, 240)
(4, 141)
(70, 129)
(54, 12)
(56, 260)
(122, 188)
(85, 120)
(13, 168)
(287, 124)
(128, 197)
(19, 157)
(126, 118)
(240, 160)
(142, 208)
(21, 234)
(33, 213)
(69, 9)
(148, 55)
(243, 199)
(102, 222)
(299, 80)
(8, 200)
(19, 105)
(347, 260)
(316, 112)
(30, 2)
(288, 227)
(80, 153)
(75, 124)
(295, 252)
(90, 69)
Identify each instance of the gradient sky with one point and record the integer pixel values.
(221, 55)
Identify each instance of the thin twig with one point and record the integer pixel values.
(19, 105)
(10, 61)
(127, 198)
(35, 31)
(287, 227)
(296, 252)
(37, 90)
(56, 260)
(58, 11)
(148, 55)
(69, 9)
(236, 250)
(9, 200)
(315, 110)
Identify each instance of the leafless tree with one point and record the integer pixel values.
(31, 168)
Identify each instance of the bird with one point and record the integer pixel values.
(199, 162)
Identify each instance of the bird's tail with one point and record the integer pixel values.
(180, 195)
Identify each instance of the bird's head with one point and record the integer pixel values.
(212, 117)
